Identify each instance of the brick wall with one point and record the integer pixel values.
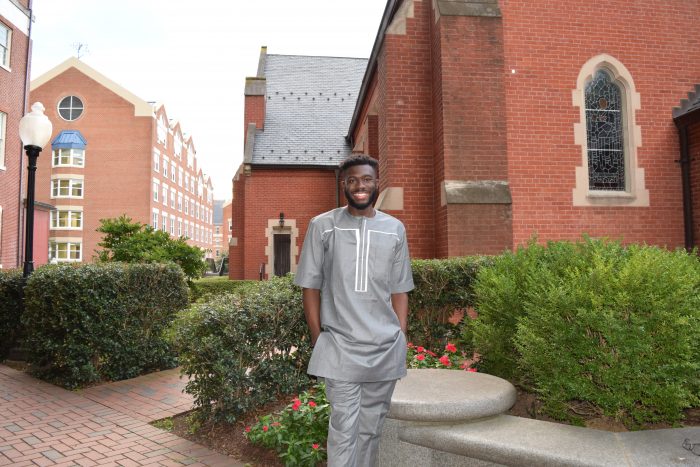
(238, 215)
(306, 193)
(117, 156)
(12, 92)
(404, 87)
(547, 50)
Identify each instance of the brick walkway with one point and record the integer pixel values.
(41, 424)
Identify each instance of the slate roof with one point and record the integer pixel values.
(309, 104)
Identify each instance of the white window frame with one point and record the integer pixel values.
(164, 218)
(53, 250)
(172, 225)
(179, 227)
(166, 162)
(154, 221)
(73, 183)
(181, 176)
(3, 132)
(156, 161)
(6, 49)
(56, 156)
(71, 213)
(173, 196)
(179, 202)
(173, 172)
(164, 190)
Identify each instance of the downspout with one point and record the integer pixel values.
(27, 68)
(685, 180)
(337, 188)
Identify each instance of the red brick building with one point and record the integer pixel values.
(113, 153)
(14, 69)
(494, 121)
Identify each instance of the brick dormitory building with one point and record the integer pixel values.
(113, 153)
(492, 121)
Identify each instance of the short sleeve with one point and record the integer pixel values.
(401, 275)
(310, 270)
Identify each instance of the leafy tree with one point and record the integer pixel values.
(132, 242)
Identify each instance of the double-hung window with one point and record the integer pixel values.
(68, 157)
(66, 188)
(66, 219)
(5, 45)
(3, 131)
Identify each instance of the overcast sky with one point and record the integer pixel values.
(193, 56)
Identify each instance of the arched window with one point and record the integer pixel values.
(604, 134)
(609, 174)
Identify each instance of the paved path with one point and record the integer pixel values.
(42, 424)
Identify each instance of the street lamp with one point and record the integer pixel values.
(35, 131)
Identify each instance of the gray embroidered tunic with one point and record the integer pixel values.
(357, 263)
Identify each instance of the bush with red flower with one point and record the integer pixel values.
(298, 432)
(419, 357)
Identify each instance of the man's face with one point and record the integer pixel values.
(360, 186)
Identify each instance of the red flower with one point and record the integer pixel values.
(312, 404)
(420, 349)
(445, 360)
(297, 404)
(315, 445)
(451, 348)
(432, 354)
(265, 428)
(420, 357)
(410, 345)
(471, 370)
(247, 429)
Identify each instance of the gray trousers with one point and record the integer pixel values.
(357, 415)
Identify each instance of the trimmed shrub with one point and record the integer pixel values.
(11, 283)
(243, 351)
(101, 321)
(442, 286)
(206, 288)
(594, 326)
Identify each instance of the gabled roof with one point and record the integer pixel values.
(141, 107)
(689, 105)
(308, 106)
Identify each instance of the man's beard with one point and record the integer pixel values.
(373, 194)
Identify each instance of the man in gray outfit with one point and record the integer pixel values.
(356, 274)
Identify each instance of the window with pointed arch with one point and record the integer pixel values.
(607, 133)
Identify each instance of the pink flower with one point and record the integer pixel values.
(265, 428)
(315, 445)
(420, 349)
(247, 429)
(410, 345)
(451, 348)
(420, 357)
(471, 370)
(312, 404)
(432, 354)
(445, 360)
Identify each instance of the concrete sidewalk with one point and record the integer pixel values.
(41, 424)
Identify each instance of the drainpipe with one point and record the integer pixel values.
(337, 188)
(687, 192)
(27, 68)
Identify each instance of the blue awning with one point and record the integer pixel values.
(69, 139)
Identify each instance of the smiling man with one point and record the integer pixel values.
(356, 274)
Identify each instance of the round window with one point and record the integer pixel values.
(70, 108)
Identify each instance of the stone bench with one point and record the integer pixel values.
(456, 419)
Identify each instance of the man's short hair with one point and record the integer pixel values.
(358, 159)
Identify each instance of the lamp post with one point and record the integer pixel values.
(34, 131)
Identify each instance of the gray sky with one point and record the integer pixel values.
(194, 56)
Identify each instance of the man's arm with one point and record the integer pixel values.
(312, 311)
(399, 301)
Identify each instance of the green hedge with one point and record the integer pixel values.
(238, 349)
(11, 283)
(209, 287)
(442, 286)
(594, 325)
(101, 321)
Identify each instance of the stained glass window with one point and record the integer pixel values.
(604, 133)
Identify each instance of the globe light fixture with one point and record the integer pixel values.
(35, 131)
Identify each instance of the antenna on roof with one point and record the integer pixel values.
(81, 49)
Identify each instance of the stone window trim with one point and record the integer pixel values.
(66, 249)
(273, 227)
(75, 156)
(73, 215)
(74, 183)
(635, 194)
